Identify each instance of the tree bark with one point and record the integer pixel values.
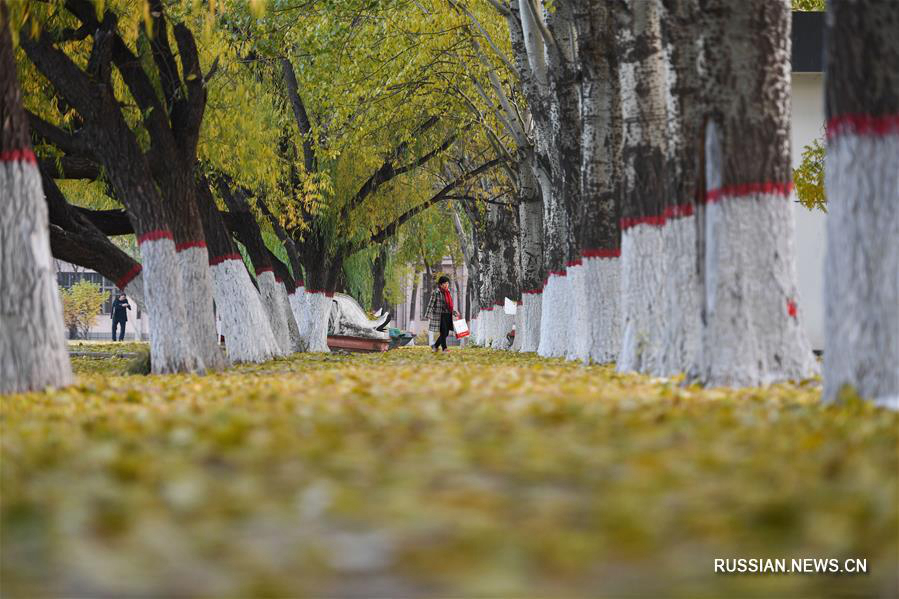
(595, 285)
(33, 352)
(245, 324)
(560, 245)
(861, 274)
(644, 102)
(681, 325)
(751, 317)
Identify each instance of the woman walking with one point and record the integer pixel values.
(440, 312)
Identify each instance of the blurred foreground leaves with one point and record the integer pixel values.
(478, 473)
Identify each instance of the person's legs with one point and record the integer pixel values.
(122, 332)
(446, 323)
(114, 323)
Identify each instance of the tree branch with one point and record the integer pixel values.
(387, 171)
(299, 111)
(391, 229)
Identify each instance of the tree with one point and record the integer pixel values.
(751, 312)
(157, 186)
(861, 274)
(33, 352)
(81, 303)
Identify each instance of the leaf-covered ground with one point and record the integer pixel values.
(474, 474)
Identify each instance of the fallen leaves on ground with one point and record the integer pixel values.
(477, 473)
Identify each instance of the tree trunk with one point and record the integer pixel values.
(33, 352)
(861, 275)
(751, 318)
(681, 326)
(245, 324)
(559, 233)
(251, 237)
(415, 278)
(530, 251)
(322, 268)
(644, 102)
(285, 287)
(503, 230)
(379, 280)
(595, 289)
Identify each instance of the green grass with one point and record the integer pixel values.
(474, 474)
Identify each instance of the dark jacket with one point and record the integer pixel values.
(120, 310)
(436, 308)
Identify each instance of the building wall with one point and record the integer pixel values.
(811, 233)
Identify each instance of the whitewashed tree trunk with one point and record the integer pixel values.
(197, 289)
(314, 328)
(580, 310)
(171, 345)
(555, 319)
(530, 308)
(271, 299)
(245, 325)
(682, 324)
(642, 300)
(645, 106)
(519, 321)
(602, 331)
(298, 306)
(293, 330)
(861, 273)
(752, 332)
(33, 352)
(504, 324)
(594, 282)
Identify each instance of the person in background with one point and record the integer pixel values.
(119, 315)
(440, 313)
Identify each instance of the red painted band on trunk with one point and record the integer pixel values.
(745, 189)
(534, 291)
(220, 259)
(128, 276)
(23, 155)
(654, 221)
(279, 279)
(186, 245)
(259, 271)
(601, 253)
(490, 309)
(329, 294)
(863, 124)
(678, 211)
(554, 273)
(571, 263)
(520, 302)
(154, 235)
(298, 284)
